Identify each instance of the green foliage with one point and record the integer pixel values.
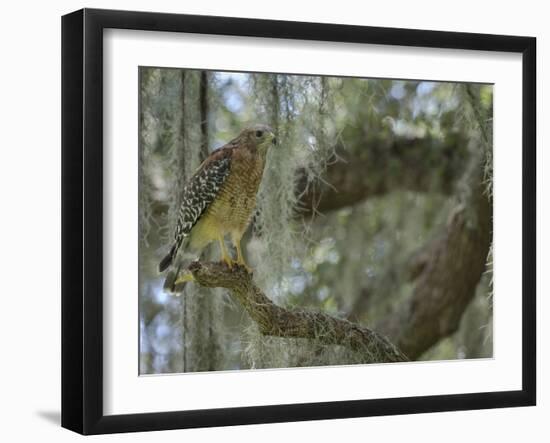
(352, 261)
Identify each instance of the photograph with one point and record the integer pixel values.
(297, 220)
(275, 223)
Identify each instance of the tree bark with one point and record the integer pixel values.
(276, 321)
(378, 165)
(446, 273)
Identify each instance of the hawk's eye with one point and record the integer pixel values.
(259, 133)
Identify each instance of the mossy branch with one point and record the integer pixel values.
(420, 165)
(446, 271)
(277, 321)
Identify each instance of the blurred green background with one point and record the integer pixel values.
(375, 207)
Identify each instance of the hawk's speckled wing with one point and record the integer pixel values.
(199, 192)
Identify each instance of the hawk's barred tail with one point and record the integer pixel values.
(170, 281)
(167, 261)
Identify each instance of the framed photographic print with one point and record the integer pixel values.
(269, 221)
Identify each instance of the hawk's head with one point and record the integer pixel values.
(259, 136)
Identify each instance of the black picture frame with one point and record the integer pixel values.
(82, 220)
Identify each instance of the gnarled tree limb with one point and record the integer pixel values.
(446, 274)
(276, 321)
(376, 165)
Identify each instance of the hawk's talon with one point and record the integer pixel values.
(248, 269)
(228, 262)
(240, 257)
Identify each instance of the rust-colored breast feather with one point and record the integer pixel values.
(231, 210)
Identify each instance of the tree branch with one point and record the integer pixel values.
(377, 165)
(276, 321)
(446, 274)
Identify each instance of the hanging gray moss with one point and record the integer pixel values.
(201, 308)
(301, 111)
(174, 139)
(159, 120)
(349, 260)
(479, 113)
(478, 117)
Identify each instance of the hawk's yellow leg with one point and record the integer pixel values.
(184, 278)
(225, 255)
(240, 258)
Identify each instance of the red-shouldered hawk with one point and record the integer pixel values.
(219, 198)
